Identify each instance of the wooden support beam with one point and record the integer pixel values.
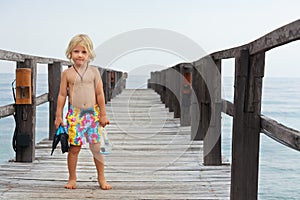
(177, 83)
(54, 78)
(212, 141)
(26, 119)
(185, 91)
(196, 105)
(168, 90)
(163, 86)
(104, 81)
(249, 71)
(108, 86)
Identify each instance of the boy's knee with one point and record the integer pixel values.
(95, 148)
(74, 149)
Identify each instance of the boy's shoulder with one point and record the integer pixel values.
(93, 68)
(68, 70)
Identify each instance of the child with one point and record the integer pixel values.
(83, 85)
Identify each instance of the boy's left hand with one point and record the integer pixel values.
(104, 121)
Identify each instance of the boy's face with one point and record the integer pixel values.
(79, 55)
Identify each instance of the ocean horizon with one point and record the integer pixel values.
(279, 165)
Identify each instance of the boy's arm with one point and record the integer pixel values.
(61, 100)
(101, 103)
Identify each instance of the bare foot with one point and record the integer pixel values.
(104, 185)
(71, 184)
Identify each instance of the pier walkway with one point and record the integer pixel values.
(153, 158)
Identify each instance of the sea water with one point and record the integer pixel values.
(279, 169)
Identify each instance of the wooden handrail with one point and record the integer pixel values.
(227, 107)
(275, 130)
(41, 99)
(278, 37)
(18, 57)
(281, 133)
(8, 110)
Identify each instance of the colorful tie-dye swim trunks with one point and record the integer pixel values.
(83, 124)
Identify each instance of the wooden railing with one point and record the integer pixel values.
(206, 105)
(25, 114)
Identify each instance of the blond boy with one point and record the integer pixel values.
(83, 85)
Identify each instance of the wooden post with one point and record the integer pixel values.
(196, 133)
(203, 100)
(167, 85)
(124, 76)
(54, 78)
(153, 76)
(185, 92)
(155, 81)
(158, 82)
(212, 141)
(249, 71)
(150, 80)
(118, 82)
(176, 90)
(116, 89)
(26, 119)
(105, 83)
(112, 83)
(108, 86)
(174, 75)
(163, 86)
(170, 86)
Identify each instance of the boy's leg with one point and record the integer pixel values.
(99, 162)
(72, 163)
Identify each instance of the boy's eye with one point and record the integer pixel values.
(77, 51)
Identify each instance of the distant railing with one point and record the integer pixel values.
(25, 114)
(204, 106)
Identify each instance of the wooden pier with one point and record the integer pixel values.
(153, 158)
(165, 147)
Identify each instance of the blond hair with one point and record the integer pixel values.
(82, 40)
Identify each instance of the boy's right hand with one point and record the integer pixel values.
(58, 121)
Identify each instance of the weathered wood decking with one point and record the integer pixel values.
(153, 158)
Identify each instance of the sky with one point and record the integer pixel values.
(44, 28)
